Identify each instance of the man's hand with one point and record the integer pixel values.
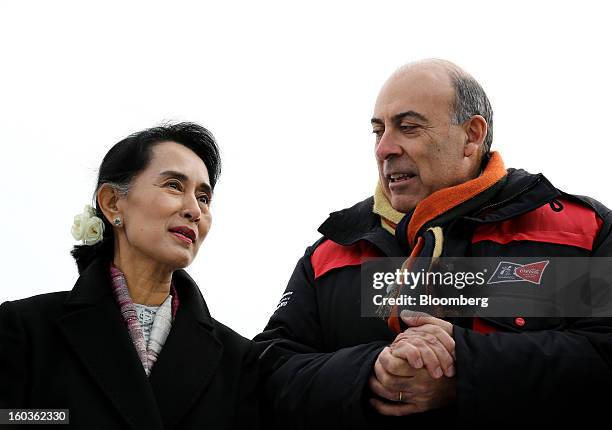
(411, 369)
(431, 329)
(428, 342)
(420, 320)
(419, 348)
(404, 390)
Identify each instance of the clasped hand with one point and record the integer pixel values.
(416, 372)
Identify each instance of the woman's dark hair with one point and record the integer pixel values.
(129, 157)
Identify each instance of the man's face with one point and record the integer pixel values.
(418, 150)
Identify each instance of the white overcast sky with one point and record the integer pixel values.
(288, 90)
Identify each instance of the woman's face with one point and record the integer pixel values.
(166, 212)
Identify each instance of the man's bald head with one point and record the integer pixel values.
(468, 99)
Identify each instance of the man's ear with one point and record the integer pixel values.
(476, 130)
(108, 199)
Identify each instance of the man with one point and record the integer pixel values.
(441, 192)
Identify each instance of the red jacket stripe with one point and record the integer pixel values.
(330, 255)
(481, 326)
(575, 225)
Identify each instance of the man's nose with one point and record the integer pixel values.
(387, 146)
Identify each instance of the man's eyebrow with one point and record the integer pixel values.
(182, 177)
(398, 117)
(411, 114)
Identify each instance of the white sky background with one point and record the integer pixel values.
(288, 90)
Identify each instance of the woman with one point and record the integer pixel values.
(133, 344)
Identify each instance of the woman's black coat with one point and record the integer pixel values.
(71, 350)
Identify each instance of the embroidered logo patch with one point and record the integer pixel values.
(507, 271)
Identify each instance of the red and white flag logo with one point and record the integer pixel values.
(513, 272)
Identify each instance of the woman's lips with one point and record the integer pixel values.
(181, 237)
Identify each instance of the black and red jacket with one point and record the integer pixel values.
(321, 351)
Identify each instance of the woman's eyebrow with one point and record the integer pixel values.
(182, 177)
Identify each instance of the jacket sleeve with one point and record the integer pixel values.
(307, 385)
(248, 402)
(13, 358)
(559, 372)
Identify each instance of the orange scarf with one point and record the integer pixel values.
(433, 212)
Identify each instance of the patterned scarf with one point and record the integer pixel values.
(421, 230)
(161, 325)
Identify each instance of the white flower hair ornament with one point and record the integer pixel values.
(88, 227)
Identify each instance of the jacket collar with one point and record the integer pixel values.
(96, 332)
(93, 285)
(521, 192)
(349, 226)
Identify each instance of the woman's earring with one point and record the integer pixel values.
(117, 221)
